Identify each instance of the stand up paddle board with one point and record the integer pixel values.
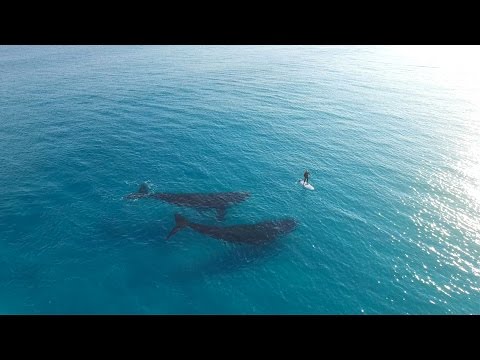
(306, 186)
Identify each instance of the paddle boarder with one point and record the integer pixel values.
(306, 174)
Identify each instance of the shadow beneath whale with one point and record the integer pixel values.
(235, 258)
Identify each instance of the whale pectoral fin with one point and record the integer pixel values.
(221, 212)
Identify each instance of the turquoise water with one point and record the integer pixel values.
(391, 137)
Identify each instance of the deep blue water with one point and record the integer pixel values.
(391, 139)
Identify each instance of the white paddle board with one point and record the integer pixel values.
(306, 186)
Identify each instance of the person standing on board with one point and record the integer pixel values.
(306, 174)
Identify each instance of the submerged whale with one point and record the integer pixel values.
(200, 201)
(258, 233)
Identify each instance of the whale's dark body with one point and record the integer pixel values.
(200, 201)
(258, 233)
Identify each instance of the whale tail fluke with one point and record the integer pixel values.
(180, 223)
(143, 191)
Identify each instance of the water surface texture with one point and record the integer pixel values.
(390, 135)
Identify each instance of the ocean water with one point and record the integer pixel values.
(390, 135)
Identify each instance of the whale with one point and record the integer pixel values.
(253, 234)
(219, 202)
